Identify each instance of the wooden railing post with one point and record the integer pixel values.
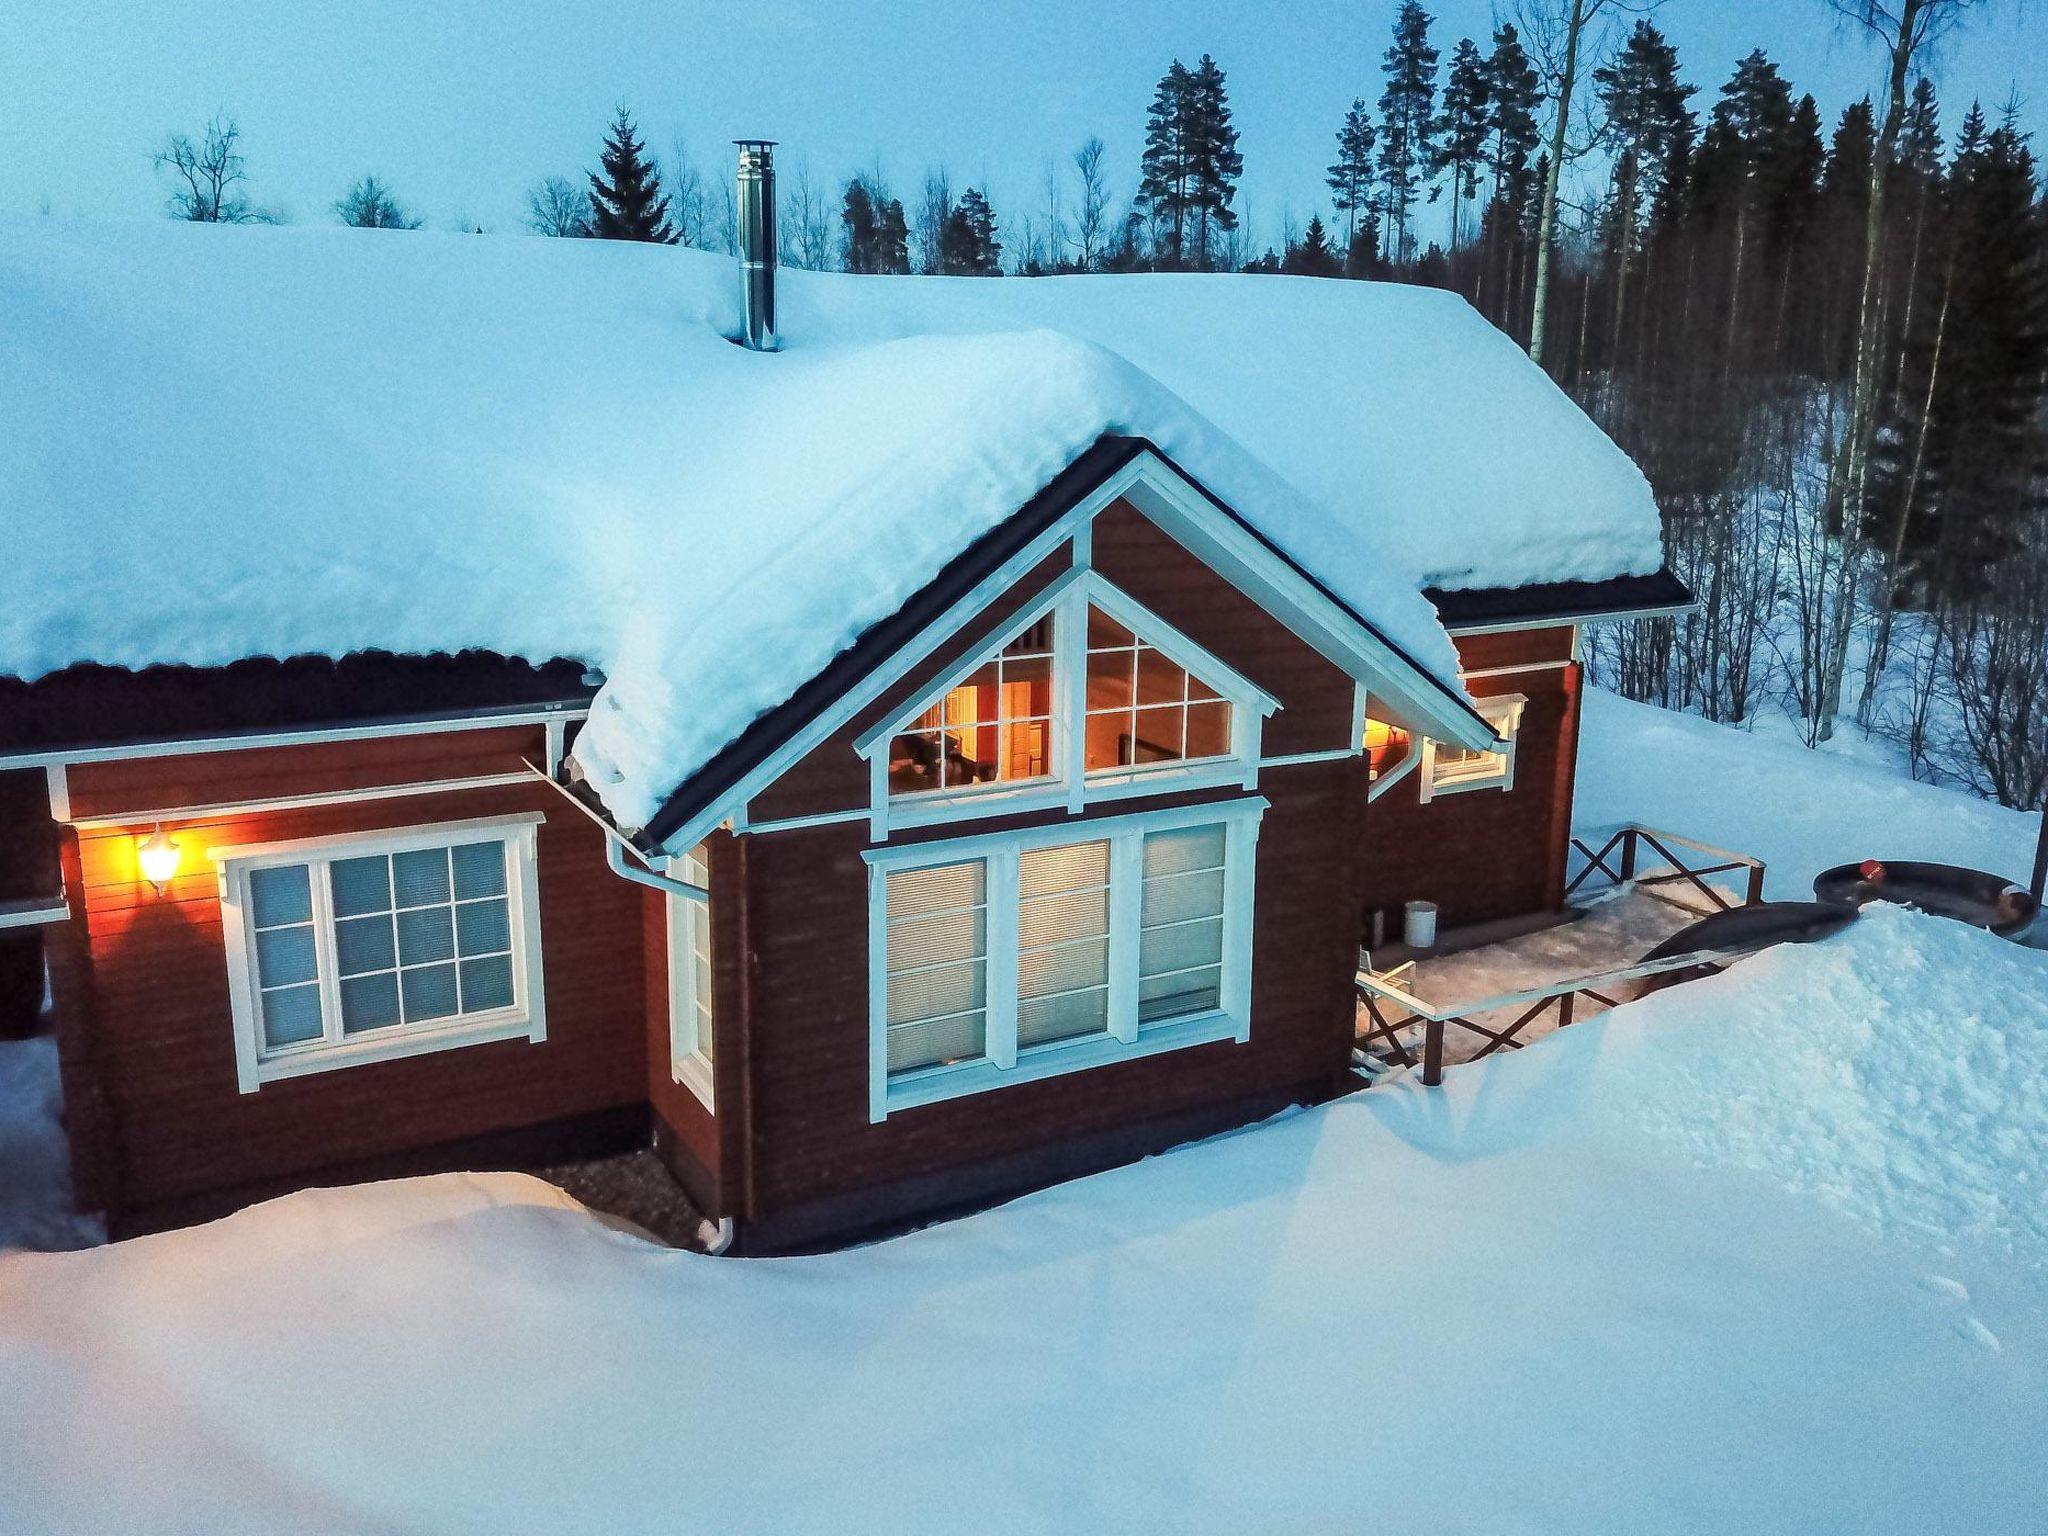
(1432, 1052)
(1756, 885)
(1628, 855)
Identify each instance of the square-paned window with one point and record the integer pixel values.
(691, 1041)
(1448, 769)
(352, 949)
(1143, 707)
(1028, 954)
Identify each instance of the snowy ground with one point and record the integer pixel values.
(1767, 1253)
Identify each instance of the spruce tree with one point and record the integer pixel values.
(1513, 93)
(1350, 175)
(626, 201)
(892, 237)
(1407, 120)
(1213, 160)
(1311, 256)
(857, 218)
(1462, 127)
(1164, 167)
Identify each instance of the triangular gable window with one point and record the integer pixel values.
(1086, 695)
(1143, 707)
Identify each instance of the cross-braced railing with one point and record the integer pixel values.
(1381, 996)
(1620, 860)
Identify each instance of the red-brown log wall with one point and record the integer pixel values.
(148, 1007)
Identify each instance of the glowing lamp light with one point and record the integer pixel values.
(158, 856)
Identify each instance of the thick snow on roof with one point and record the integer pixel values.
(235, 442)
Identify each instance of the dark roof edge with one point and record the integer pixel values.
(1560, 602)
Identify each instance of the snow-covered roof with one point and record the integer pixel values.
(229, 442)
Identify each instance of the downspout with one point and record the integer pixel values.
(1399, 771)
(616, 846)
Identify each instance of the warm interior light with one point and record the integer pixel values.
(1384, 744)
(158, 856)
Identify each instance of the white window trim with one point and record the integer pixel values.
(687, 1064)
(1068, 600)
(526, 1018)
(1504, 713)
(1127, 1040)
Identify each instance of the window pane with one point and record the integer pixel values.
(913, 891)
(1172, 853)
(1208, 730)
(1072, 866)
(941, 1040)
(944, 989)
(369, 1002)
(1066, 1017)
(280, 895)
(1063, 967)
(483, 927)
(1109, 679)
(1175, 898)
(914, 761)
(487, 984)
(934, 940)
(429, 992)
(425, 934)
(285, 956)
(1170, 997)
(1105, 631)
(420, 877)
(1160, 680)
(480, 870)
(364, 944)
(1074, 914)
(1156, 734)
(360, 885)
(1180, 946)
(291, 1015)
(1108, 743)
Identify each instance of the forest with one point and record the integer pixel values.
(1825, 343)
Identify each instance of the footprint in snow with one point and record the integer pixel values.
(1969, 1328)
(1941, 1285)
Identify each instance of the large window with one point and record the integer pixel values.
(343, 950)
(1448, 769)
(691, 1042)
(1087, 697)
(1015, 956)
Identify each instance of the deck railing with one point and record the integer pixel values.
(1620, 859)
(1379, 993)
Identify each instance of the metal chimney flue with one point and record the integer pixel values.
(757, 244)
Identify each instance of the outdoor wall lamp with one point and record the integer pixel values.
(158, 856)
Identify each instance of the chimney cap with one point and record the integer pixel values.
(756, 143)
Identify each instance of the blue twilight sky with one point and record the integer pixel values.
(460, 105)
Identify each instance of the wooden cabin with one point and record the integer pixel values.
(1063, 854)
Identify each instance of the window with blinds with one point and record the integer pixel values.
(339, 947)
(1036, 951)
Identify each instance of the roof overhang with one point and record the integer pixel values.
(1491, 610)
(1113, 468)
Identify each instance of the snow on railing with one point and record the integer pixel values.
(1624, 847)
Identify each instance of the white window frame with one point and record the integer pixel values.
(1504, 713)
(1071, 785)
(1004, 1063)
(688, 1064)
(526, 1018)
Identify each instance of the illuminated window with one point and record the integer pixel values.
(1386, 745)
(995, 727)
(1450, 769)
(1143, 707)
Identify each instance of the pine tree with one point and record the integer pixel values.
(1213, 160)
(626, 201)
(1164, 167)
(892, 237)
(1311, 256)
(1462, 127)
(1350, 176)
(1513, 93)
(967, 245)
(1407, 121)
